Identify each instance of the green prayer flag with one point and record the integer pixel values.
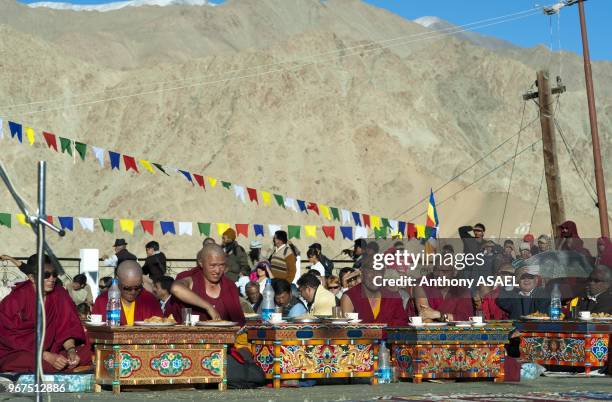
(380, 233)
(108, 225)
(81, 149)
(66, 144)
(385, 223)
(293, 231)
(5, 220)
(226, 184)
(279, 200)
(335, 213)
(161, 168)
(204, 228)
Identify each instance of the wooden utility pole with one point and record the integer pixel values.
(551, 166)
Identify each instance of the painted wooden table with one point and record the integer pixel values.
(583, 344)
(160, 355)
(449, 352)
(307, 351)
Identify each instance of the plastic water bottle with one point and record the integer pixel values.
(384, 365)
(113, 307)
(267, 304)
(555, 303)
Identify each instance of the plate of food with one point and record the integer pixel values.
(601, 317)
(536, 316)
(252, 316)
(216, 323)
(156, 321)
(305, 318)
(435, 324)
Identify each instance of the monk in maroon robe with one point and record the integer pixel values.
(207, 291)
(137, 304)
(444, 303)
(65, 343)
(373, 304)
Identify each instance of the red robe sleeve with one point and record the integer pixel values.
(463, 308)
(147, 306)
(62, 319)
(231, 299)
(99, 306)
(392, 311)
(17, 320)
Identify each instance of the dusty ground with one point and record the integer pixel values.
(352, 392)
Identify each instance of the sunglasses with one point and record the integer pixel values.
(131, 288)
(49, 274)
(334, 287)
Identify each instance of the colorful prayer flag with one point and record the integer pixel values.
(66, 222)
(265, 196)
(200, 180)
(242, 229)
(30, 135)
(115, 159)
(279, 200)
(185, 228)
(204, 229)
(252, 194)
(258, 229)
(313, 207)
(5, 220)
(310, 230)
(147, 226)
(50, 140)
(167, 227)
(66, 145)
(147, 165)
(329, 231)
(130, 163)
(221, 228)
(347, 232)
(357, 218)
(126, 225)
(108, 225)
(81, 149)
(293, 231)
(325, 211)
(16, 130)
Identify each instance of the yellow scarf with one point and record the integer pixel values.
(128, 310)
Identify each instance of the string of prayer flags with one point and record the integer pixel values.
(293, 231)
(185, 229)
(310, 231)
(5, 220)
(258, 229)
(347, 232)
(126, 225)
(222, 227)
(108, 224)
(66, 222)
(242, 229)
(15, 129)
(204, 229)
(329, 231)
(167, 227)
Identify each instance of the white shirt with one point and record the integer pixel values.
(241, 283)
(319, 267)
(111, 261)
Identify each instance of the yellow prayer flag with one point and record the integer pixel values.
(325, 211)
(310, 230)
(30, 134)
(21, 218)
(375, 222)
(147, 165)
(222, 227)
(420, 231)
(213, 182)
(266, 197)
(126, 225)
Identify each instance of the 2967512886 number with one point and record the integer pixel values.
(35, 388)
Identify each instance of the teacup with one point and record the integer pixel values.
(95, 318)
(352, 316)
(417, 320)
(476, 319)
(276, 317)
(195, 318)
(585, 315)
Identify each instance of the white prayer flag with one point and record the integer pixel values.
(87, 223)
(361, 232)
(273, 228)
(185, 228)
(346, 217)
(239, 192)
(99, 154)
(290, 203)
(393, 224)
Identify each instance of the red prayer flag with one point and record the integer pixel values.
(200, 180)
(147, 226)
(50, 139)
(242, 229)
(50, 219)
(252, 194)
(411, 232)
(130, 163)
(366, 219)
(313, 207)
(330, 231)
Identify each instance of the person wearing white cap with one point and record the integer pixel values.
(255, 253)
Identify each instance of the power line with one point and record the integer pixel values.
(465, 170)
(254, 75)
(518, 141)
(482, 177)
(450, 30)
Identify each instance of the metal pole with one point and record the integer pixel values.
(600, 186)
(40, 241)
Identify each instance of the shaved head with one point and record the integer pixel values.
(212, 261)
(129, 269)
(209, 250)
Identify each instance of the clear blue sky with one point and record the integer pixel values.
(525, 32)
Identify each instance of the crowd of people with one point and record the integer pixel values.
(228, 282)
